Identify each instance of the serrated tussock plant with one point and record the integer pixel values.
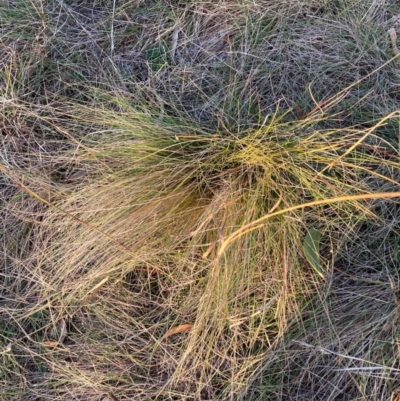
(170, 206)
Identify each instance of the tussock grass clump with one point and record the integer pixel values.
(199, 201)
(171, 230)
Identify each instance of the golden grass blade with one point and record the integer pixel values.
(183, 328)
(256, 223)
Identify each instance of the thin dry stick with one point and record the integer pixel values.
(256, 224)
(175, 37)
(393, 38)
(112, 29)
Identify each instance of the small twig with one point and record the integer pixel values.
(175, 36)
(393, 38)
(112, 29)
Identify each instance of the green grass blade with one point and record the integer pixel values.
(311, 250)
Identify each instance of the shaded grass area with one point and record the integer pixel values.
(199, 200)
